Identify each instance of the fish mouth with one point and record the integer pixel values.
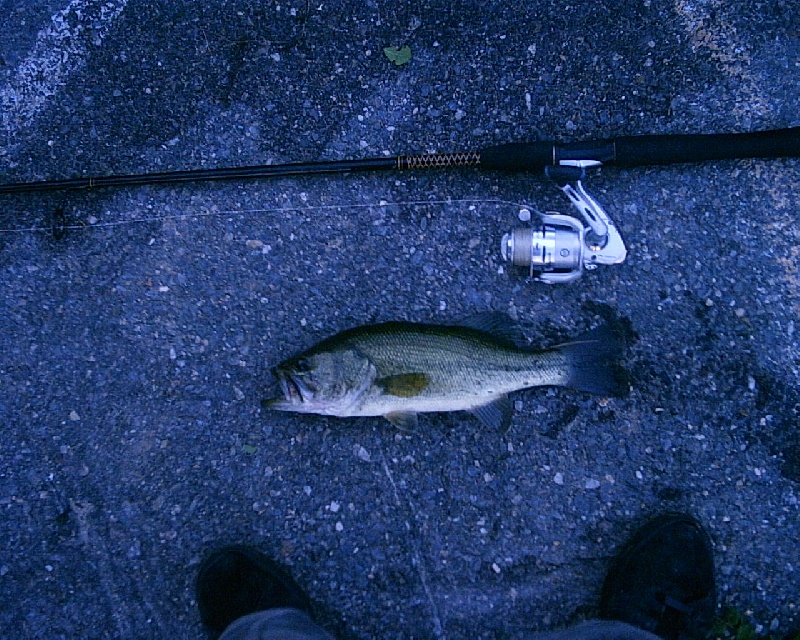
(295, 390)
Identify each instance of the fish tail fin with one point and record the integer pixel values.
(594, 362)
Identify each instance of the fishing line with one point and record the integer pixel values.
(271, 210)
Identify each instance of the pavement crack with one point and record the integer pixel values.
(418, 560)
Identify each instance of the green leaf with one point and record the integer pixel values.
(398, 56)
(249, 449)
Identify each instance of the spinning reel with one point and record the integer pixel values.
(557, 248)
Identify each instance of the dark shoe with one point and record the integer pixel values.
(237, 580)
(663, 580)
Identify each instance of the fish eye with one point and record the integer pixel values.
(302, 365)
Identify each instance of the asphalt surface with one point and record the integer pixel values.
(136, 344)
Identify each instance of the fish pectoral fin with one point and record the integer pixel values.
(495, 415)
(403, 420)
(404, 385)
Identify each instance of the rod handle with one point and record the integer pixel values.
(517, 156)
(634, 151)
(534, 156)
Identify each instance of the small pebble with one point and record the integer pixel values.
(363, 454)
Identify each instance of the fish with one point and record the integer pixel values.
(400, 369)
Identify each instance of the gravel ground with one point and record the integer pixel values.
(136, 347)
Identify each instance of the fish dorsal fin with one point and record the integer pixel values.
(404, 385)
(499, 325)
(496, 415)
(403, 420)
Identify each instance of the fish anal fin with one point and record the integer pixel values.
(403, 420)
(496, 415)
(404, 385)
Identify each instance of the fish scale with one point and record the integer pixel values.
(400, 369)
(454, 363)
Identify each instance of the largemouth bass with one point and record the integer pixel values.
(400, 369)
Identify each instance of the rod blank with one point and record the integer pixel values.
(626, 151)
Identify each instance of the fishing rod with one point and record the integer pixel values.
(555, 247)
